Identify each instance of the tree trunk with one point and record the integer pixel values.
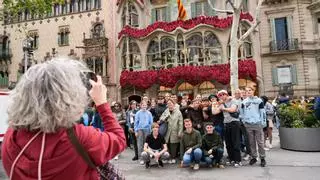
(234, 46)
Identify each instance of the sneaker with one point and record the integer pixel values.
(270, 146)
(173, 161)
(237, 164)
(228, 163)
(116, 158)
(160, 163)
(246, 157)
(263, 162)
(135, 158)
(196, 167)
(141, 162)
(253, 161)
(165, 161)
(147, 164)
(266, 149)
(221, 166)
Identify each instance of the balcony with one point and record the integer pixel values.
(284, 45)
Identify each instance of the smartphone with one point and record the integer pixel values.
(89, 75)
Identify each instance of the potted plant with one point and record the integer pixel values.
(299, 127)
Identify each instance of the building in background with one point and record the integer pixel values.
(290, 49)
(82, 29)
(151, 39)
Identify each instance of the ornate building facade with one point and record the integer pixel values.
(81, 29)
(154, 43)
(289, 32)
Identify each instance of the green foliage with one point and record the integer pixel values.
(296, 116)
(36, 7)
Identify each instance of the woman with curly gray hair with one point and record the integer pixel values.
(46, 103)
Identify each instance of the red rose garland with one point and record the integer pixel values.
(191, 74)
(213, 21)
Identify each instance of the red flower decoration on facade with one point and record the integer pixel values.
(191, 74)
(214, 21)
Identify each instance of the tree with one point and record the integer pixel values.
(11, 8)
(235, 41)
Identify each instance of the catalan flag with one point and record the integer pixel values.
(182, 13)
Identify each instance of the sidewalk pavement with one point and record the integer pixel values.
(281, 165)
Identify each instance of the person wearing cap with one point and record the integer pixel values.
(215, 115)
(254, 118)
(155, 147)
(212, 147)
(232, 127)
(130, 118)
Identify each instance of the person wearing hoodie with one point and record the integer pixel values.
(254, 119)
(54, 96)
(142, 126)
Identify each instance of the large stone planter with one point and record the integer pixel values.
(300, 139)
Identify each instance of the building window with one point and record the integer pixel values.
(198, 49)
(153, 53)
(88, 5)
(131, 59)
(284, 75)
(95, 64)
(133, 16)
(281, 33)
(160, 14)
(35, 39)
(56, 11)
(202, 8)
(81, 5)
(168, 49)
(26, 14)
(63, 36)
(123, 16)
(98, 31)
(64, 9)
(97, 4)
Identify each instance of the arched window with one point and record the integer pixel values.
(133, 15)
(245, 49)
(123, 16)
(153, 54)
(180, 50)
(195, 49)
(213, 51)
(168, 51)
(206, 88)
(131, 59)
(186, 88)
(98, 31)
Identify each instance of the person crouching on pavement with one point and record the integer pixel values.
(155, 147)
(212, 147)
(190, 146)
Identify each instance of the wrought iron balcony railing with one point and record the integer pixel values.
(284, 45)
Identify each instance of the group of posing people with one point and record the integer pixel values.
(195, 130)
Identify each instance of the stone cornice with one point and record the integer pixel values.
(276, 11)
(314, 6)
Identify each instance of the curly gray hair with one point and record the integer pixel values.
(49, 96)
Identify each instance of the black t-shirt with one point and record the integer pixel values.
(155, 144)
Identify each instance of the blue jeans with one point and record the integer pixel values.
(217, 156)
(195, 156)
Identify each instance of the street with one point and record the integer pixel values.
(281, 165)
